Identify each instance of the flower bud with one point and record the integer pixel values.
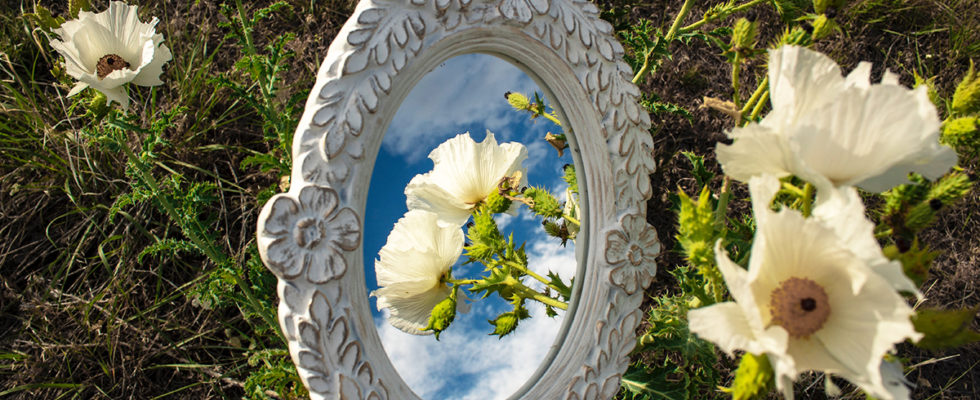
(519, 101)
(504, 324)
(559, 142)
(824, 6)
(966, 99)
(823, 27)
(497, 203)
(962, 132)
(753, 378)
(743, 35)
(543, 204)
(442, 315)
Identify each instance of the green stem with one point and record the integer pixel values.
(721, 211)
(807, 199)
(721, 15)
(571, 219)
(529, 293)
(213, 254)
(736, 70)
(758, 106)
(763, 86)
(671, 34)
(792, 189)
(550, 118)
(530, 273)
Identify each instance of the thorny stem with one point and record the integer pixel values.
(529, 293)
(715, 17)
(671, 34)
(763, 86)
(213, 254)
(530, 273)
(758, 106)
(571, 219)
(722, 209)
(736, 69)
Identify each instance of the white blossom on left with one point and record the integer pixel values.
(109, 49)
(419, 253)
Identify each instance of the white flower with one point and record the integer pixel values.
(807, 302)
(837, 131)
(112, 48)
(419, 252)
(463, 174)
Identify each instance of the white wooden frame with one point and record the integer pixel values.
(310, 237)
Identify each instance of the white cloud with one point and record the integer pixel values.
(464, 91)
(467, 363)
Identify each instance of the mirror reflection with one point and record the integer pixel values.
(470, 231)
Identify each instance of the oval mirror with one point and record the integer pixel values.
(313, 237)
(472, 358)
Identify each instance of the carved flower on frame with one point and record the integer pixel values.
(109, 49)
(308, 235)
(632, 253)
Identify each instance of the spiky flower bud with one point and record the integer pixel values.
(497, 203)
(823, 27)
(442, 315)
(543, 203)
(743, 35)
(519, 101)
(823, 6)
(966, 99)
(753, 378)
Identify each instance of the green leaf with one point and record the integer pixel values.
(916, 260)
(701, 174)
(74, 6)
(945, 329)
(555, 282)
(662, 382)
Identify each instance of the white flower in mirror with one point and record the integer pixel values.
(411, 265)
(112, 48)
(807, 302)
(463, 174)
(833, 130)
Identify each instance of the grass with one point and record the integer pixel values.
(128, 265)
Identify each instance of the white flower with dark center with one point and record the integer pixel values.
(463, 174)
(110, 49)
(807, 302)
(411, 267)
(838, 131)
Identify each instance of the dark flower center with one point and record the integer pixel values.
(800, 306)
(109, 63)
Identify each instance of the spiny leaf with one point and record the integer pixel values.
(945, 328)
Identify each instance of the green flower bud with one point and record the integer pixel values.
(966, 99)
(743, 35)
(823, 27)
(962, 133)
(519, 101)
(543, 203)
(504, 324)
(753, 379)
(442, 315)
(496, 203)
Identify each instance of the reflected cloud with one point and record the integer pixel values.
(442, 104)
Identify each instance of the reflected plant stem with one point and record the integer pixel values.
(530, 273)
(571, 219)
(529, 293)
(807, 199)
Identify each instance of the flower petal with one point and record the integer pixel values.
(800, 80)
(422, 193)
(757, 150)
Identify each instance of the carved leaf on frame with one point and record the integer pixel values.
(522, 10)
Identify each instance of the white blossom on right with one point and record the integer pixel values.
(836, 131)
(807, 302)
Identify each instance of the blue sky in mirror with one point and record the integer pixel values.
(466, 94)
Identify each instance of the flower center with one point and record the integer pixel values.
(800, 306)
(635, 255)
(109, 63)
(308, 233)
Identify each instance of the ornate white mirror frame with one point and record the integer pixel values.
(311, 238)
